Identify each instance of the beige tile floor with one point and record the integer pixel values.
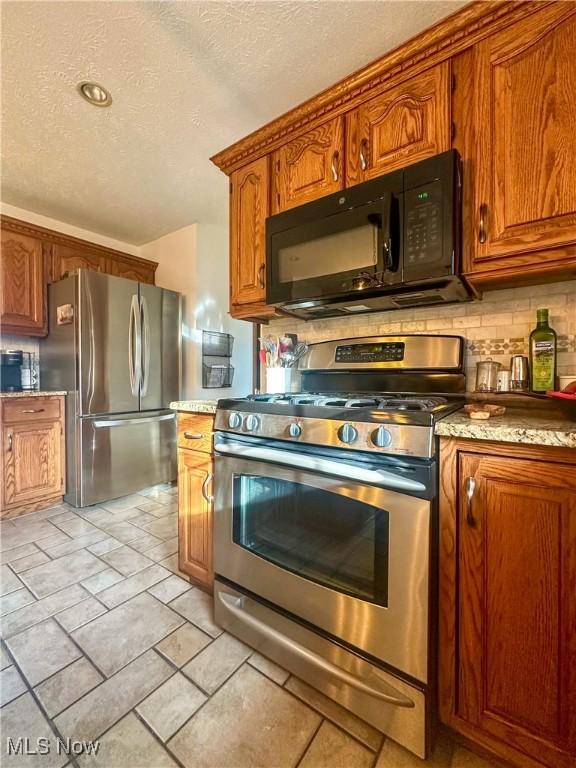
(102, 639)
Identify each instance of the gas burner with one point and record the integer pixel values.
(395, 402)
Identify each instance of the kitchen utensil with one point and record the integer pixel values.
(519, 373)
(290, 358)
(487, 375)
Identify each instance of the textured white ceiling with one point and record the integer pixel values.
(187, 78)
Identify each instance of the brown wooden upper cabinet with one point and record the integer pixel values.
(523, 157)
(516, 678)
(22, 285)
(32, 256)
(249, 208)
(309, 166)
(401, 126)
(133, 270)
(67, 259)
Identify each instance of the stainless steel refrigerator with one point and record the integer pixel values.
(114, 345)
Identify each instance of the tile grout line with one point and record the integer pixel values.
(309, 744)
(32, 692)
(331, 719)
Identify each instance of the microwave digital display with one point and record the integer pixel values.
(379, 352)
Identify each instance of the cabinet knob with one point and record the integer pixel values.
(483, 211)
(470, 488)
(10, 442)
(32, 410)
(193, 435)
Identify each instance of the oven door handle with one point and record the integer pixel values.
(319, 464)
(234, 605)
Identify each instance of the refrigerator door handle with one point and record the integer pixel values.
(145, 317)
(134, 347)
(125, 422)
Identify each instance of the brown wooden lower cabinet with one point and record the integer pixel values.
(195, 504)
(508, 599)
(33, 456)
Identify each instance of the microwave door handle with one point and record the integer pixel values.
(391, 237)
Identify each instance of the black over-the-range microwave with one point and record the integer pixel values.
(389, 243)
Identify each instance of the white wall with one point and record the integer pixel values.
(194, 261)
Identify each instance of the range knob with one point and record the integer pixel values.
(348, 434)
(234, 420)
(252, 423)
(381, 437)
(294, 430)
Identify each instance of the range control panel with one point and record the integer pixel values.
(378, 352)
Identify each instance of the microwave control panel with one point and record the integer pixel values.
(423, 226)
(379, 352)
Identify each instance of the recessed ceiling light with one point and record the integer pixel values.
(95, 94)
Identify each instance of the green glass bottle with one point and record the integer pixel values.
(542, 354)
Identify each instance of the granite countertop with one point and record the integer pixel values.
(515, 426)
(33, 393)
(195, 406)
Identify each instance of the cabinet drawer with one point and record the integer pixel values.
(195, 431)
(23, 409)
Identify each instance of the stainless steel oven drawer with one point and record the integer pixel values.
(390, 704)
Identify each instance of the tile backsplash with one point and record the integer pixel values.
(498, 326)
(25, 343)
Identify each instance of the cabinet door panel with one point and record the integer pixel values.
(309, 166)
(195, 483)
(407, 123)
(66, 260)
(32, 462)
(249, 207)
(517, 615)
(132, 270)
(22, 289)
(525, 114)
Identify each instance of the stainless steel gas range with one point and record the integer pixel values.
(325, 523)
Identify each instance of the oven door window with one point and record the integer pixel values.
(331, 539)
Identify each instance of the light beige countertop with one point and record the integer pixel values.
(33, 393)
(195, 406)
(515, 426)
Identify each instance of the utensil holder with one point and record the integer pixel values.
(278, 380)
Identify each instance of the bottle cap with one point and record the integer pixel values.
(542, 314)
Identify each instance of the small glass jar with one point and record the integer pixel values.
(487, 375)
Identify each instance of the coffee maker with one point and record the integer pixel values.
(16, 371)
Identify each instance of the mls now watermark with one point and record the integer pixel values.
(44, 746)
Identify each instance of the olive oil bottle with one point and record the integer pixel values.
(542, 354)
